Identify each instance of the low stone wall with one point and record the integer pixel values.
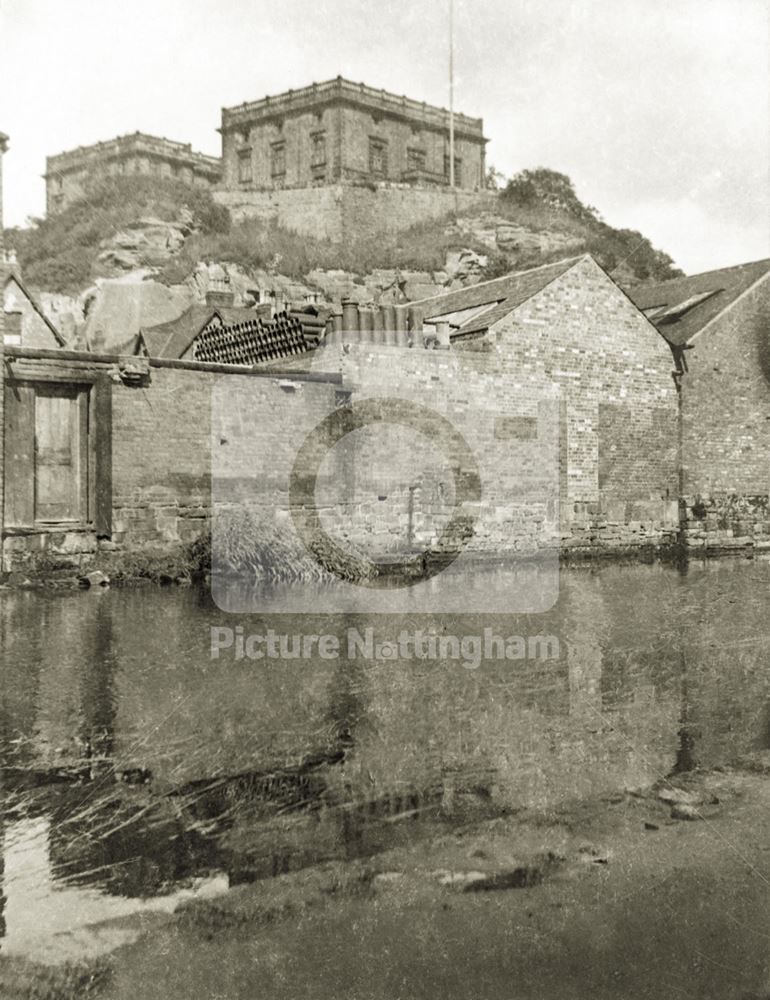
(611, 527)
(725, 523)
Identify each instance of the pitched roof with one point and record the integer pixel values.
(475, 308)
(121, 309)
(681, 307)
(12, 275)
(174, 338)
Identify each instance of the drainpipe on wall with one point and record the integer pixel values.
(410, 521)
(677, 375)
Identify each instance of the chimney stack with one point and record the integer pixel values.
(220, 297)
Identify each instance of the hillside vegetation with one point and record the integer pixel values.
(59, 254)
(66, 252)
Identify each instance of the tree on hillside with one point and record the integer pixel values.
(542, 186)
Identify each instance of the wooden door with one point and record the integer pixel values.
(61, 454)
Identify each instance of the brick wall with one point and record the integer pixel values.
(579, 341)
(615, 375)
(405, 475)
(726, 428)
(167, 495)
(566, 408)
(161, 451)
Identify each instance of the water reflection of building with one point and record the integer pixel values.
(646, 656)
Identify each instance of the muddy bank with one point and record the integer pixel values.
(178, 564)
(23, 980)
(650, 893)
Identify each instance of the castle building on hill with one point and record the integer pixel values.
(342, 132)
(68, 174)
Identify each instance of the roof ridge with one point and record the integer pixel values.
(11, 273)
(703, 274)
(505, 277)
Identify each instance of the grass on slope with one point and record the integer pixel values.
(58, 253)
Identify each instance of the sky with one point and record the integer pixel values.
(659, 110)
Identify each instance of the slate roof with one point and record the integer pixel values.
(477, 307)
(121, 309)
(681, 307)
(174, 338)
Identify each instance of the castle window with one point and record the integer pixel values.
(244, 166)
(378, 157)
(278, 159)
(458, 169)
(318, 149)
(415, 159)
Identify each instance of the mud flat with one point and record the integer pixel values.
(647, 893)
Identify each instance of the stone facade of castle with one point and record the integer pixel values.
(343, 132)
(68, 174)
(325, 161)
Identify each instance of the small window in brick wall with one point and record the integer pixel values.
(58, 455)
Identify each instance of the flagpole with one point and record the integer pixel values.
(451, 97)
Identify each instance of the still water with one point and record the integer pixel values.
(136, 770)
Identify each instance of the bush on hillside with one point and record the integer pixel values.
(58, 253)
(542, 186)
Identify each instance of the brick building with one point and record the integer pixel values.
(719, 326)
(556, 357)
(68, 174)
(101, 449)
(563, 331)
(343, 132)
